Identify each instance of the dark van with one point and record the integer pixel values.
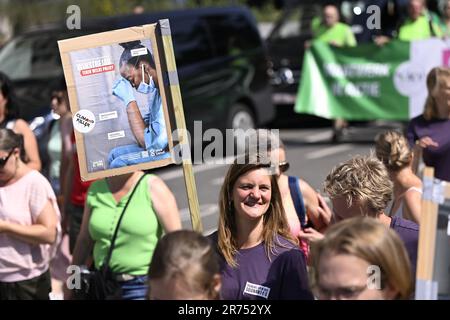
(221, 60)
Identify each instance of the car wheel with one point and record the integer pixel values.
(240, 117)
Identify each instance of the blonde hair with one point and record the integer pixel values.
(364, 179)
(392, 148)
(188, 255)
(274, 220)
(435, 78)
(370, 240)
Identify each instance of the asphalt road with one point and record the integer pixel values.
(309, 151)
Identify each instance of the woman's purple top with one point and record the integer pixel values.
(439, 131)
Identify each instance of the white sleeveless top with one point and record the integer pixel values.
(399, 212)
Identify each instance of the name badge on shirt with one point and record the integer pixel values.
(256, 290)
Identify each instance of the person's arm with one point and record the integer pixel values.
(30, 144)
(66, 154)
(351, 40)
(310, 234)
(311, 202)
(84, 244)
(124, 91)
(83, 248)
(136, 122)
(164, 204)
(319, 217)
(43, 231)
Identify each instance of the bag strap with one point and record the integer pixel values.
(116, 231)
(297, 198)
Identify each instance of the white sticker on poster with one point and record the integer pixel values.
(138, 52)
(84, 121)
(107, 115)
(116, 135)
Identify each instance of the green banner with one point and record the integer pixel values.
(353, 83)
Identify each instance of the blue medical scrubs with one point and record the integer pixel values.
(155, 137)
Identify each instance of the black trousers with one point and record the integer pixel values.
(33, 289)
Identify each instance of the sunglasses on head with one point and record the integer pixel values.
(5, 159)
(283, 166)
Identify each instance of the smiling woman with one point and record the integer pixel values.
(259, 257)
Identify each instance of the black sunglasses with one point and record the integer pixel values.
(57, 96)
(284, 166)
(5, 159)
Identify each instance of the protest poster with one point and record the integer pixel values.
(118, 101)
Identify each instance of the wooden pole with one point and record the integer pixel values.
(164, 28)
(425, 288)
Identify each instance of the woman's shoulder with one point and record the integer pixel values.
(286, 250)
(412, 183)
(36, 180)
(284, 243)
(21, 126)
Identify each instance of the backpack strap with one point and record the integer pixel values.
(297, 198)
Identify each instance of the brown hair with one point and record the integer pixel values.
(10, 140)
(370, 240)
(435, 78)
(274, 221)
(392, 148)
(189, 255)
(364, 179)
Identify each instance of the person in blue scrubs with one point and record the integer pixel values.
(138, 72)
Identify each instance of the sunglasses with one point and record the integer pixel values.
(5, 159)
(57, 96)
(283, 166)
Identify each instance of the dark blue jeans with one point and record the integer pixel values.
(135, 289)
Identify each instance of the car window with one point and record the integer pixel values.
(190, 41)
(231, 34)
(15, 58)
(33, 56)
(296, 22)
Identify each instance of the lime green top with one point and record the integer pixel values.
(340, 34)
(138, 234)
(418, 30)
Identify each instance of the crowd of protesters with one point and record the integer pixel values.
(277, 238)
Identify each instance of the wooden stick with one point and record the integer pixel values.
(175, 93)
(427, 232)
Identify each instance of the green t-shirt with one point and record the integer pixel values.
(418, 30)
(340, 34)
(138, 234)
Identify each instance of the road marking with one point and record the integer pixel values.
(328, 151)
(178, 173)
(321, 136)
